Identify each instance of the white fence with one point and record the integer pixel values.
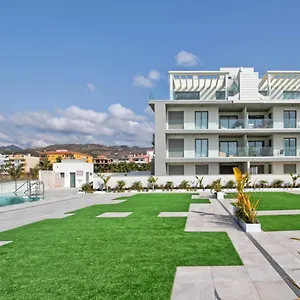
(9, 187)
(207, 179)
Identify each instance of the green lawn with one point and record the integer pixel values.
(84, 257)
(280, 223)
(273, 200)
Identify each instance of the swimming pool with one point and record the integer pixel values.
(11, 199)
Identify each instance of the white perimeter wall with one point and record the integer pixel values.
(208, 179)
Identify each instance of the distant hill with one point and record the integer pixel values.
(92, 149)
(10, 148)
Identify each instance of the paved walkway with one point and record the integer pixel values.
(56, 205)
(257, 279)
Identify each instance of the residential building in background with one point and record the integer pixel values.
(140, 158)
(27, 161)
(102, 161)
(55, 156)
(217, 120)
(3, 160)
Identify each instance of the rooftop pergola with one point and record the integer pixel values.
(205, 82)
(275, 82)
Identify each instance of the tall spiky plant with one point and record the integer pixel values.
(15, 172)
(152, 180)
(105, 180)
(245, 208)
(294, 178)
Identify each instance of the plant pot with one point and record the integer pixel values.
(220, 195)
(248, 227)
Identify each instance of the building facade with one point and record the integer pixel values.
(58, 155)
(74, 173)
(217, 120)
(27, 161)
(101, 161)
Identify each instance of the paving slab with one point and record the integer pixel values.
(274, 290)
(173, 214)
(2, 243)
(278, 212)
(114, 215)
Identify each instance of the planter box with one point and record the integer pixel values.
(99, 192)
(220, 195)
(249, 227)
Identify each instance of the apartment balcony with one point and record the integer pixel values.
(246, 152)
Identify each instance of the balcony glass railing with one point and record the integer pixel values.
(246, 152)
(225, 123)
(260, 123)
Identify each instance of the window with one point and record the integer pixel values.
(176, 170)
(176, 147)
(201, 146)
(264, 93)
(220, 95)
(289, 168)
(290, 146)
(257, 148)
(228, 149)
(229, 122)
(291, 94)
(201, 170)
(175, 119)
(256, 121)
(201, 119)
(62, 175)
(289, 118)
(187, 95)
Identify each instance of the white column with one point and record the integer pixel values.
(226, 86)
(269, 85)
(171, 87)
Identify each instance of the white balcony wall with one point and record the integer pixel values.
(190, 116)
(189, 144)
(278, 143)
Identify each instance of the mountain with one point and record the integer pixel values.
(10, 148)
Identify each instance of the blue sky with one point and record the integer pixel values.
(65, 63)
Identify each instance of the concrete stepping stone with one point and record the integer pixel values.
(2, 243)
(114, 215)
(173, 214)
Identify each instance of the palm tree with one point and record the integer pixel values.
(58, 159)
(152, 180)
(15, 172)
(105, 180)
(46, 165)
(34, 172)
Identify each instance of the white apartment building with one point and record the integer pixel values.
(216, 120)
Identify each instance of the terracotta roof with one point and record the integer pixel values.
(64, 152)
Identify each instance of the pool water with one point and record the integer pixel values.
(11, 199)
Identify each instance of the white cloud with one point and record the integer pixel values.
(148, 110)
(1, 118)
(77, 125)
(142, 81)
(187, 59)
(91, 87)
(148, 81)
(154, 75)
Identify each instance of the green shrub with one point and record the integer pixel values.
(230, 184)
(169, 186)
(120, 185)
(263, 184)
(184, 185)
(87, 188)
(277, 183)
(137, 185)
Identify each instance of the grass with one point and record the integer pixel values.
(273, 200)
(84, 257)
(280, 223)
